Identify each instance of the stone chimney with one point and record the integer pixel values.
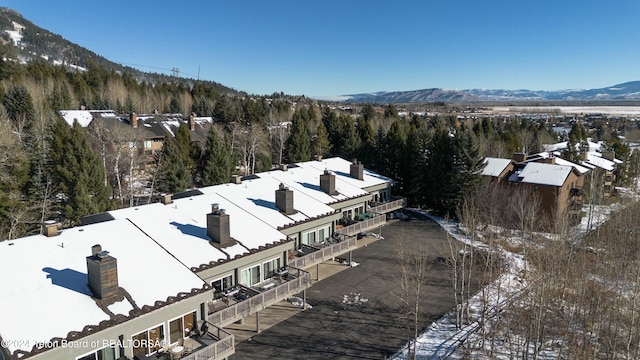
(284, 199)
(102, 271)
(192, 121)
(519, 157)
(50, 228)
(609, 155)
(218, 226)
(236, 179)
(133, 120)
(328, 183)
(356, 170)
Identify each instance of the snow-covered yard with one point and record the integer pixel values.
(442, 339)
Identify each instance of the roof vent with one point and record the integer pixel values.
(236, 179)
(50, 228)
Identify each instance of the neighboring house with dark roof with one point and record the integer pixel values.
(150, 129)
(149, 279)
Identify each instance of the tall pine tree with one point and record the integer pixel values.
(217, 163)
(298, 146)
(173, 175)
(78, 172)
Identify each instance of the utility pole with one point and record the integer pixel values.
(175, 72)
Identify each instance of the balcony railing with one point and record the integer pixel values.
(297, 281)
(325, 253)
(362, 226)
(220, 349)
(384, 208)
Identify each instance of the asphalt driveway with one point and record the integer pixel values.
(357, 313)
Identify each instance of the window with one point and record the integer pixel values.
(107, 353)
(175, 330)
(147, 144)
(269, 268)
(148, 341)
(309, 238)
(324, 233)
(250, 276)
(182, 327)
(221, 285)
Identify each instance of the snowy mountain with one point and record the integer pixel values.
(625, 91)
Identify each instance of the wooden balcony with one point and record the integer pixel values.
(362, 226)
(322, 254)
(216, 344)
(255, 300)
(383, 208)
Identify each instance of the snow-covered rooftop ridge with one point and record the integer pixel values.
(559, 161)
(542, 174)
(84, 117)
(495, 166)
(255, 220)
(48, 283)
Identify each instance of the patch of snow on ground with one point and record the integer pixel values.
(354, 299)
(298, 302)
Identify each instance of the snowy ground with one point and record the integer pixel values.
(442, 339)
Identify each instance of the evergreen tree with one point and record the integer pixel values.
(379, 161)
(78, 172)
(366, 135)
(186, 146)
(217, 162)
(20, 110)
(320, 144)
(173, 175)
(440, 174)
(174, 106)
(349, 139)
(298, 146)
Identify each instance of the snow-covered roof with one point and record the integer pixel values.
(495, 166)
(542, 174)
(84, 117)
(597, 160)
(342, 167)
(560, 161)
(47, 286)
(181, 227)
(563, 145)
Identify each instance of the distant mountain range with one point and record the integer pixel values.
(23, 41)
(625, 91)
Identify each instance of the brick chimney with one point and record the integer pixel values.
(218, 226)
(102, 271)
(192, 121)
(284, 199)
(356, 170)
(50, 228)
(133, 120)
(328, 183)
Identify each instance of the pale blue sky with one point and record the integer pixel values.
(338, 47)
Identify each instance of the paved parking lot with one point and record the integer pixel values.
(369, 327)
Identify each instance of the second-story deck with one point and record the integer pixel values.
(314, 255)
(246, 301)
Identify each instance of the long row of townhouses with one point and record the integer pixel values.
(168, 277)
